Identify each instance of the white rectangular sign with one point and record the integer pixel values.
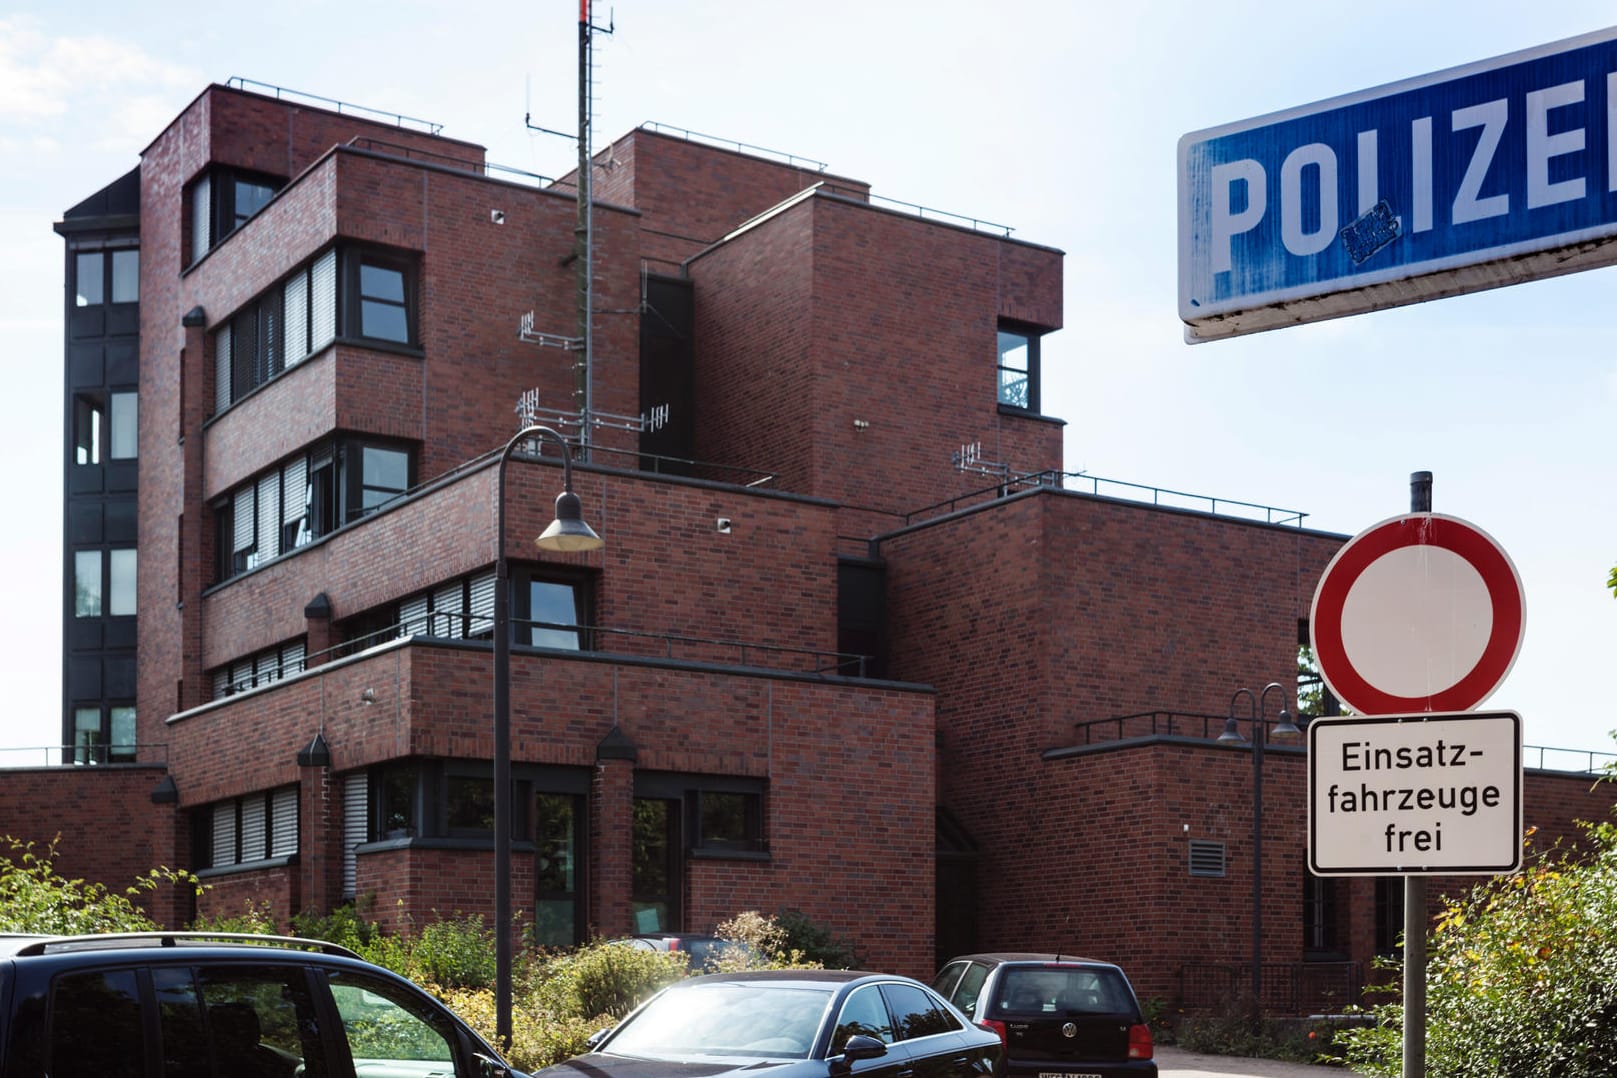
(1484, 175)
(1415, 794)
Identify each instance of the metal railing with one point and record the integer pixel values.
(1160, 497)
(1544, 758)
(688, 135)
(604, 640)
(449, 160)
(925, 213)
(97, 755)
(1295, 988)
(281, 93)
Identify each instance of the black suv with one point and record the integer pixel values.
(189, 1005)
(1059, 1016)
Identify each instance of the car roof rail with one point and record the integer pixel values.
(106, 940)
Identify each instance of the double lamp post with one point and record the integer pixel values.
(566, 534)
(1284, 727)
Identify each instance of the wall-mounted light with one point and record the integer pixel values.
(497, 216)
(722, 525)
(368, 697)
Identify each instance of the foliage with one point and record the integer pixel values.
(814, 944)
(1611, 581)
(764, 944)
(604, 980)
(1521, 975)
(254, 919)
(35, 898)
(539, 1037)
(1232, 1030)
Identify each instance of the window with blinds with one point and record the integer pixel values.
(260, 668)
(276, 331)
(257, 827)
(459, 610)
(355, 826)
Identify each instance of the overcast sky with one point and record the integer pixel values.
(1059, 119)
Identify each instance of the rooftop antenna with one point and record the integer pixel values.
(583, 235)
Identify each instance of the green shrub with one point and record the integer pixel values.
(454, 953)
(816, 944)
(604, 980)
(34, 898)
(1521, 976)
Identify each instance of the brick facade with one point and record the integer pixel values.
(839, 354)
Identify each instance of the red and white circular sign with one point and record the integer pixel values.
(1418, 613)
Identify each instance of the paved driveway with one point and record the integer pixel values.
(1177, 1063)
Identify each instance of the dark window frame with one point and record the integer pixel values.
(204, 829)
(1004, 394)
(107, 278)
(524, 630)
(352, 298)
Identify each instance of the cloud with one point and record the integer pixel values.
(43, 76)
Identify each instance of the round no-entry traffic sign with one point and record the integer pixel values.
(1418, 613)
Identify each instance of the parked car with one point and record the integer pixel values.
(1057, 1014)
(794, 1023)
(140, 1005)
(702, 952)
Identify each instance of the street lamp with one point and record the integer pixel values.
(567, 533)
(1231, 735)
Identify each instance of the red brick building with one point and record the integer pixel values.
(852, 646)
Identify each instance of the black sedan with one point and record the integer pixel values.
(794, 1023)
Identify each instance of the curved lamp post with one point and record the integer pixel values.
(567, 533)
(1232, 735)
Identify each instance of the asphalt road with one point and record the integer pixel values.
(1178, 1063)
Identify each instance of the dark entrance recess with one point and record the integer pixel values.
(667, 372)
(862, 614)
(956, 930)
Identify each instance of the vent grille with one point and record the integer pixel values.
(1206, 858)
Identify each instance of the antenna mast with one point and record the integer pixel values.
(583, 233)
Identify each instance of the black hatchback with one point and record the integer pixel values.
(1059, 1016)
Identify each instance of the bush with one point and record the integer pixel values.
(1521, 976)
(1233, 1030)
(816, 944)
(604, 980)
(34, 898)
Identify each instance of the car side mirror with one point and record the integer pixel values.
(596, 1038)
(489, 1067)
(859, 1047)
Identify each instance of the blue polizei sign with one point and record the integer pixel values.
(1484, 175)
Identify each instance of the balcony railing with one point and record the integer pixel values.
(1160, 497)
(97, 755)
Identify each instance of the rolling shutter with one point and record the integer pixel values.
(284, 822)
(253, 828)
(356, 825)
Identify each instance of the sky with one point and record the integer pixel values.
(1058, 118)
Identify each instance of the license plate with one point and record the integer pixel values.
(1065, 1074)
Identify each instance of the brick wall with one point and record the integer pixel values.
(105, 825)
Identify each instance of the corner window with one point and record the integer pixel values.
(1018, 367)
(222, 201)
(276, 331)
(379, 293)
(308, 496)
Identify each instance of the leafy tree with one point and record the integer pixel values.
(1611, 581)
(34, 897)
(1521, 976)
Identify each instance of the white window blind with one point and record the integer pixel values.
(482, 611)
(243, 503)
(221, 369)
(269, 516)
(201, 205)
(323, 298)
(224, 834)
(295, 498)
(356, 825)
(292, 659)
(413, 616)
(448, 610)
(284, 822)
(297, 318)
(253, 830)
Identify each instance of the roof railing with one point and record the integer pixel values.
(281, 93)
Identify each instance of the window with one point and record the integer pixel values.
(260, 668)
(462, 609)
(864, 1014)
(554, 607)
(384, 313)
(297, 502)
(653, 873)
(254, 1022)
(100, 274)
(1389, 913)
(276, 331)
(469, 804)
(223, 200)
(916, 1012)
(126, 276)
(556, 859)
(248, 829)
(726, 820)
(1018, 367)
(86, 735)
(105, 427)
(96, 1030)
(1319, 914)
(90, 600)
(389, 1029)
(90, 277)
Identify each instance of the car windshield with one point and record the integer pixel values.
(725, 1018)
(1067, 991)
